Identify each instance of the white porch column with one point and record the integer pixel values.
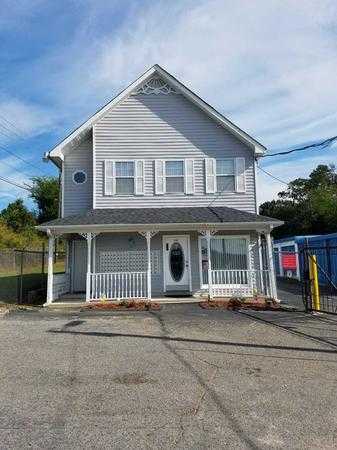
(271, 266)
(50, 267)
(259, 244)
(148, 248)
(209, 264)
(88, 284)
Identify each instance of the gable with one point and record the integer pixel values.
(155, 81)
(158, 121)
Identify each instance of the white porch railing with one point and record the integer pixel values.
(118, 285)
(241, 283)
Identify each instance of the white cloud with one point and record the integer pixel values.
(19, 120)
(269, 66)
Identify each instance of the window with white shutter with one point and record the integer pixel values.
(210, 175)
(140, 178)
(160, 177)
(240, 179)
(109, 181)
(189, 176)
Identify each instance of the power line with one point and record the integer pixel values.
(272, 176)
(13, 183)
(21, 159)
(323, 144)
(15, 168)
(12, 126)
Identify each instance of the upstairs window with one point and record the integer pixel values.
(125, 177)
(174, 171)
(225, 175)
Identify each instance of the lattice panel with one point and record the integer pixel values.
(129, 261)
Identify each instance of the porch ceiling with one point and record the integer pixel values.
(161, 219)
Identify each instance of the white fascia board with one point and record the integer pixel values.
(57, 151)
(258, 148)
(209, 110)
(111, 228)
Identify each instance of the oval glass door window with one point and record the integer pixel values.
(177, 261)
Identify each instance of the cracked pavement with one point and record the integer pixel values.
(181, 377)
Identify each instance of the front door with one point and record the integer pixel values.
(79, 265)
(176, 263)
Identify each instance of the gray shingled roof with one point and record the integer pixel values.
(160, 216)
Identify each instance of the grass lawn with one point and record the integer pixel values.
(30, 281)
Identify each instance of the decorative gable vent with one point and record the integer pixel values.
(155, 85)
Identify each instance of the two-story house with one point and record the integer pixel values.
(159, 199)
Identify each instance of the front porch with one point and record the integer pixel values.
(236, 264)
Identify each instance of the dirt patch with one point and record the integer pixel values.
(126, 305)
(130, 379)
(256, 304)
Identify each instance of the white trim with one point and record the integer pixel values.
(259, 149)
(247, 237)
(111, 228)
(177, 236)
(94, 167)
(225, 175)
(72, 265)
(79, 171)
(255, 187)
(182, 160)
(62, 188)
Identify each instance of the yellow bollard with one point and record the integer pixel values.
(314, 282)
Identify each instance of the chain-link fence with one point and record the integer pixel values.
(23, 275)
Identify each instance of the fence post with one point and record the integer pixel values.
(43, 253)
(21, 278)
(314, 282)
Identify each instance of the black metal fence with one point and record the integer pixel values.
(326, 264)
(23, 275)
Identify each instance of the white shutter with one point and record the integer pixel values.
(210, 174)
(240, 182)
(109, 177)
(139, 177)
(160, 180)
(189, 176)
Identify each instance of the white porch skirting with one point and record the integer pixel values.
(61, 284)
(118, 285)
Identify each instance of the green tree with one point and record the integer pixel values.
(308, 205)
(17, 217)
(45, 193)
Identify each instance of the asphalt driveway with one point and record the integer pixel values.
(178, 378)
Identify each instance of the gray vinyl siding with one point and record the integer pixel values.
(134, 241)
(78, 197)
(161, 126)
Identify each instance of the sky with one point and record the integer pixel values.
(268, 65)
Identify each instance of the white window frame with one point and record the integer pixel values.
(175, 176)
(79, 171)
(112, 177)
(125, 176)
(225, 174)
(222, 236)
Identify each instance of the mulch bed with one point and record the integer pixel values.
(258, 304)
(126, 305)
